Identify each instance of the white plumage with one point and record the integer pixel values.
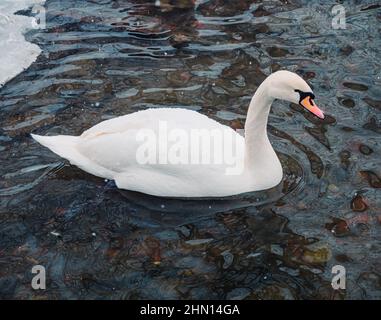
(111, 148)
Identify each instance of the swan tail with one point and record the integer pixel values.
(64, 146)
(67, 148)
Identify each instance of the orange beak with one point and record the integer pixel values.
(310, 105)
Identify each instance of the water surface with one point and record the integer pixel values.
(103, 58)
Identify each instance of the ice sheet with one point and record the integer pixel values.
(16, 54)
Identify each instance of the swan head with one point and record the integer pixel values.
(286, 85)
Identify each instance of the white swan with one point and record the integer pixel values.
(145, 151)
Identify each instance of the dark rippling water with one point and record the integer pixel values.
(104, 58)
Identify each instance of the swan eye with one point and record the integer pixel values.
(303, 95)
(306, 101)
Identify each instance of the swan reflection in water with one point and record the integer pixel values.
(175, 211)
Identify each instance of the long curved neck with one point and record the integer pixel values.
(256, 139)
